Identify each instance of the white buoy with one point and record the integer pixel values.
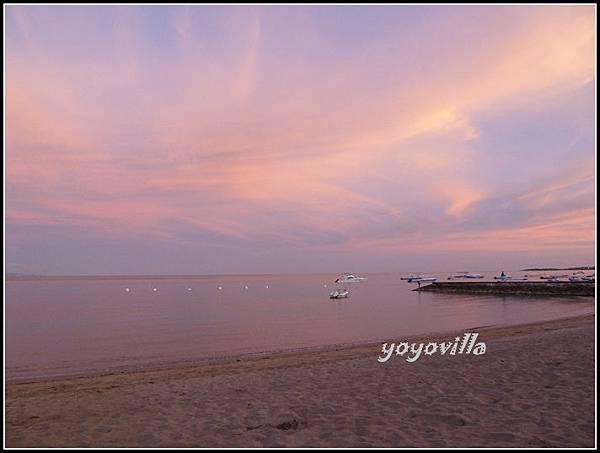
(219, 288)
(127, 289)
(154, 289)
(246, 287)
(267, 286)
(189, 289)
(324, 286)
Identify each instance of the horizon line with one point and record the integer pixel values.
(26, 276)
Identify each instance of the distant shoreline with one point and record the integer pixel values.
(580, 268)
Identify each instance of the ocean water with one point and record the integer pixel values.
(62, 327)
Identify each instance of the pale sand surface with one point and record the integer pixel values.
(533, 387)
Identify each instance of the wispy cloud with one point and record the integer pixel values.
(304, 128)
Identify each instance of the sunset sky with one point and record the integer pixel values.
(197, 139)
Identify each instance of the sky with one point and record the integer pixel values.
(276, 139)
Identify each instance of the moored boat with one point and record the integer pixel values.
(350, 278)
(339, 294)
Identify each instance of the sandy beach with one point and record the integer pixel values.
(534, 387)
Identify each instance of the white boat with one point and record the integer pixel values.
(507, 278)
(553, 277)
(350, 278)
(421, 279)
(339, 294)
(464, 275)
(588, 279)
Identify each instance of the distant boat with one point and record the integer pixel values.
(582, 279)
(350, 278)
(339, 294)
(424, 279)
(410, 277)
(507, 278)
(553, 277)
(420, 279)
(464, 275)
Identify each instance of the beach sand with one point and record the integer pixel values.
(534, 387)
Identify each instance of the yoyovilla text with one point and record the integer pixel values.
(465, 345)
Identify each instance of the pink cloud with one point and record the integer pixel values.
(133, 139)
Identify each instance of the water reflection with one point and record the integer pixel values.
(80, 325)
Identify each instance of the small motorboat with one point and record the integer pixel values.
(339, 294)
(582, 279)
(473, 276)
(415, 278)
(420, 280)
(350, 278)
(553, 277)
(507, 278)
(503, 277)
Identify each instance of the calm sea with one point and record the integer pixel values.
(74, 326)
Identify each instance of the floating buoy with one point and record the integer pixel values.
(267, 286)
(246, 287)
(189, 289)
(219, 287)
(127, 289)
(154, 289)
(324, 286)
